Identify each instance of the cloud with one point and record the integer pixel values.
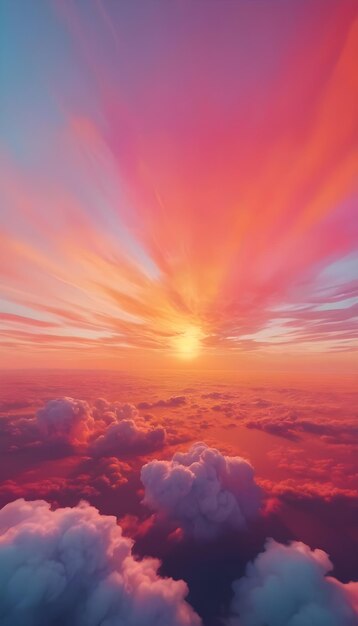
(288, 586)
(73, 566)
(112, 411)
(13, 405)
(328, 478)
(202, 491)
(108, 428)
(128, 436)
(125, 431)
(65, 419)
(216, 395)
(273, 427)
(295, 490)
(171, 402)
(289, 427)
(90, 477)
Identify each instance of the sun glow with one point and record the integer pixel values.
(187, 344)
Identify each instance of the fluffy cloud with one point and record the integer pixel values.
(288, 586)
(128, 436)
(65, 419)
(202, 491)
(124, 430)
(113, 411)
(108, 428)
(73, 566)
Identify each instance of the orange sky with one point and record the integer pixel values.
(180, 191)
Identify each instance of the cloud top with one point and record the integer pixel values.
(105, 428)
(128, 436)
(65, 419)
(203, 491)
(73, 566)
(288, 586)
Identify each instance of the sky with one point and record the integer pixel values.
(178, 185)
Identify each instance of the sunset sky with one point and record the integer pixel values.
(178, 188)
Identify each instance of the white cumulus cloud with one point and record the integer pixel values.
(73, 566)
(288, 586)
(203, 491)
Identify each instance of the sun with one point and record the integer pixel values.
(187, 344)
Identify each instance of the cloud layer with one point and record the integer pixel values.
(61, 454)
(202, 491)
(73, 566)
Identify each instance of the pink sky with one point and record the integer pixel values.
(179, 183)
